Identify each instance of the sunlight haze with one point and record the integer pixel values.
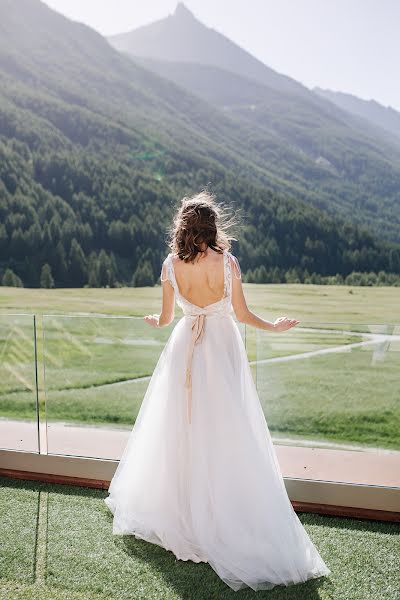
(349, 46)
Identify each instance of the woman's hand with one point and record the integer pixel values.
(284, 323)
(152, 320)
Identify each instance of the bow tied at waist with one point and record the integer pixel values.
(196, 337)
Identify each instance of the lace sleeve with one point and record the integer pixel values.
(236, 267)
(165, 274)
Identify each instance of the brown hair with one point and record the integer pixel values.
(200, 219)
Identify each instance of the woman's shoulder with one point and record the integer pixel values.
(169, 262)
(167, 268)
(234, 264)
(229, 254)
(169, 257)
(172, 258)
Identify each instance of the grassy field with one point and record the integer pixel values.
(350, 394)
(320, 303)
(57, 544)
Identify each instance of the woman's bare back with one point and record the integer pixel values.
(201, 282)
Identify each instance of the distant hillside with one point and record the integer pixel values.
(95, 151)
(383, 116)
(310, 148)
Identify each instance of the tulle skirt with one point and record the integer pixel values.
(210, 490)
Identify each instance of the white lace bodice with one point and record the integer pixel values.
(221, 307)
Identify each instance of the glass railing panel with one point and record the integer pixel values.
(97, 370)
(19, 424)
(326, 386)
(332, 386)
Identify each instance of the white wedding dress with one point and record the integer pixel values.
(199, 475)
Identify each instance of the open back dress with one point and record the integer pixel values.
(199, 475)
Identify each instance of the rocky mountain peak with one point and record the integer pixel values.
(182, 12)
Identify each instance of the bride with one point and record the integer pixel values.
(199, 475)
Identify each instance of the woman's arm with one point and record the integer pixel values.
(168, 303)
(242, 311)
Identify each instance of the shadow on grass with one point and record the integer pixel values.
(19, 523)
(198, 580)
(349, 523)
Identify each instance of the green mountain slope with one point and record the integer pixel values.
(95, 151)
(309, 147)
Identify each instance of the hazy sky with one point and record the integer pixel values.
(345, 45)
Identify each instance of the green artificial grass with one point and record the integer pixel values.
(19, 506)
(57, 543)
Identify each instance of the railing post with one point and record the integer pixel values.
(36, 382)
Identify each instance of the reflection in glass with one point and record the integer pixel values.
(18, 383)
